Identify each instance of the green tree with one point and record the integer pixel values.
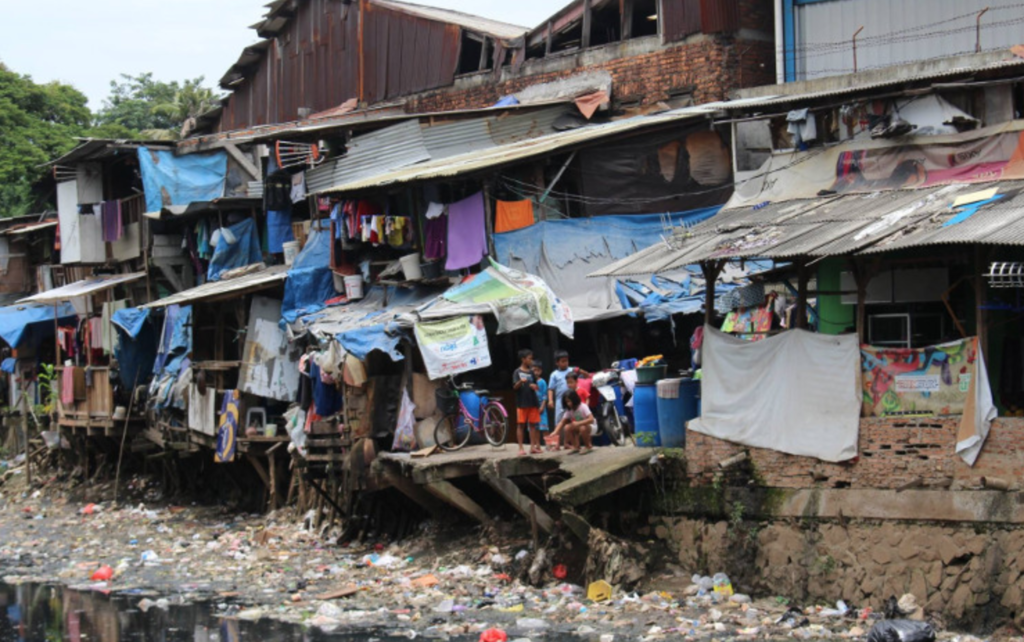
(38, 122)
(155, 109)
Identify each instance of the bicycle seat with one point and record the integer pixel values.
(482, 393)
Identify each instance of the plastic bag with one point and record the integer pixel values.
(405, 431)
(901, 631)
(294, 424)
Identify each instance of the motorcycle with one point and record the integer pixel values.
(609, 421)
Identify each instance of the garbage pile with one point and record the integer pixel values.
(442, 583)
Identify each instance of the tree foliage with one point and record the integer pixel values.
(37, 123)
(155, 109)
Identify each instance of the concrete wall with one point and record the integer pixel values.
(893, 452)
(968, 576)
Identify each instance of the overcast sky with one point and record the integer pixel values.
(88, 44)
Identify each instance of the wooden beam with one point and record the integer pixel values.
(710, 270)
(981, 315)
(626, 17)
(414, 492)
(547, 40)
(579, 526)
(243, 161)
(523, 504)
(588, 22)
(484, 47)
(449, 494)
(803, 275)
(260, 470)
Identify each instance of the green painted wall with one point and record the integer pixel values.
(834, 315)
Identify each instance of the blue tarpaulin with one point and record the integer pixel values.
(130, 320)
(8, 365)
(176, 341)
(279, 230)
(564, 252)
(310, 280)
(180, 180)
(362, 341)
(136, 353)
(238, 246)
(15, 320)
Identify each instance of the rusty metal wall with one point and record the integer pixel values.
(679, 19)
(405, 54)
(719, 16)
(313, 63)
(682, 18)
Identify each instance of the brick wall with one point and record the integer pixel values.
(711, 65)
(893, 452)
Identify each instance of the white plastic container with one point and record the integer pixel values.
(354, 286)
(291, 250)
(411, 267)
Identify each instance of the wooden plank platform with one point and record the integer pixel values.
(590, 476)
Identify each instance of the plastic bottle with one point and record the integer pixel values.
(723, 587)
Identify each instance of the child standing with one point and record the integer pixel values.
(542, 397)
(527, 404)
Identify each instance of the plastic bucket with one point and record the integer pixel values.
(645, 415)
(339, 283)
(411, 267)
(291, 250)
(354, 286)
(650, 374)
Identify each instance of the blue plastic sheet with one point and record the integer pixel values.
(8, 365)
(310, 280)
(238, 246)
(361, 342)
(17, 320)
(610, 237)
(279, 230)
(180, 180)
(136, 354)
(130, 320)
(177, 340)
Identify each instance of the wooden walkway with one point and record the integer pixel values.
(568, 480)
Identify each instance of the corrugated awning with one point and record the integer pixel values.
(840, 225)
(31, 227)
(480, 160)
(225, 289)
(82, 288)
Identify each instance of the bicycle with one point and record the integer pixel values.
(453, 430)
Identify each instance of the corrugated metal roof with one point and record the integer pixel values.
(836, 226)
(89, 149)
(82, 288)
(228, 289)
(393, 147)
(475, 161)
(30, 227)
(486, 26)
(779, 99)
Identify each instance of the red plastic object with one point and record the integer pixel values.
(89, 509)
(493, 635)
(102, 574)
(560, 571)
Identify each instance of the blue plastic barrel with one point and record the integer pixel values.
(472, 402)
(677, 404)
(645, 415)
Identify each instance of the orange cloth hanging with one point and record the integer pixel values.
(513, 215)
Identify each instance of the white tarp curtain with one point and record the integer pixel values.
(979, 412)
(797, 392)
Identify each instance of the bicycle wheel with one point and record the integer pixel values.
(449, 434)
(495, 425)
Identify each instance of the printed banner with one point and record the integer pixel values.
(453, 346)
(925, 381)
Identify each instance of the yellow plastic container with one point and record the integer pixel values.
(599, 591)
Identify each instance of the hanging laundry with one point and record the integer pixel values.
(436, 231)
(279, 230)
(277, 191)
(227, 428)
(802, 125)
(513, 215)
(110, 336)
(67, 386)
(467, 238)
(326, 399)
(434, 210)
(110, 220)
(299, 187)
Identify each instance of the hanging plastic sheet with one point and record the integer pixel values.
(310, 280)
(16, 321)
(131, 320)
(564, 252)
(238, 246)
(175, 340)
(362, 341)
(136, 351)
(180, 180)
(797, 392)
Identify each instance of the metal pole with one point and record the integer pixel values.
(855, 34)
(977, 30)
